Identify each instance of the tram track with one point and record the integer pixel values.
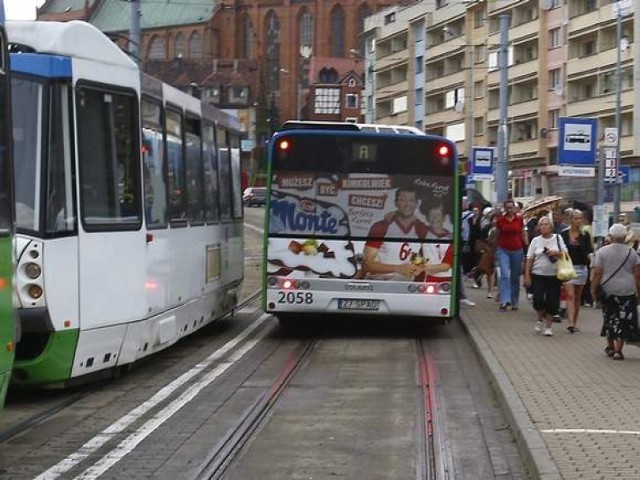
(239, 436)
(42, 416)
(435, 461)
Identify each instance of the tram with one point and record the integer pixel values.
(128, 206)
(7, 325)
(361, 221)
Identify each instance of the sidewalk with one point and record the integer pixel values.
(575, 412)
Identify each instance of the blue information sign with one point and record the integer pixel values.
(577, 141)
(624, 173)
(482, 163)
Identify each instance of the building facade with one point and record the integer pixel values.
(435, 65)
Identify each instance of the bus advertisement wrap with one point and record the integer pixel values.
(361, 226)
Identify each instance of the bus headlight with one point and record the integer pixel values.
(34, 291)
(32, 270)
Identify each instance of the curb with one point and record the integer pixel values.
(533, 449)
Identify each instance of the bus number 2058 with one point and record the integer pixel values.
(297, 298)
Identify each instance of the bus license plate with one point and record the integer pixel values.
(358, 304)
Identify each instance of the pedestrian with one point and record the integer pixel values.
(580, 249)
(510, 242)
(540, 273)
(486, 264)
(616, 270)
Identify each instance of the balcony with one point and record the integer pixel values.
(530, 108)
(594, 106)
(446, 49)
(529, 68)
(589, 20)
(531, 28)
(524, 148)
(393, 60)
(598, 61)
(445, 117)
(446, 81)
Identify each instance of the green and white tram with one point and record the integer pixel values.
(7, 327)
(129, 220)
(361, 222)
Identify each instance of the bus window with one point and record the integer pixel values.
(225, 183)
(60, 212)
(109, 159)
(210, 157)
(155, 187)
(193, 164)
(175, 166)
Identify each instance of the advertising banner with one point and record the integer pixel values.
(361, 226)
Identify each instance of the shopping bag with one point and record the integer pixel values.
(565, 268)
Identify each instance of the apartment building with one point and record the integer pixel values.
(434, 65)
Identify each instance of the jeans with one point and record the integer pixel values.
(510, 264)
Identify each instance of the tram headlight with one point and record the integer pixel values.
(32, 270)
(34, 291)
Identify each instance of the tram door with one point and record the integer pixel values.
(111, 240)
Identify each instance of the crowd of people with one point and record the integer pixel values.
(500, 247)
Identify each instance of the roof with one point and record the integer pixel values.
(342, 66)
(114, 16)
(62, 6)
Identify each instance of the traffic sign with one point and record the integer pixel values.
(577, 141)
(611, 137)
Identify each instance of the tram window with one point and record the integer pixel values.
(195, 192)
(236, 187)
(27, 107)
(108, 154)
(225, 183)
(60, 212)
(5, 158)
(210, 157)
(155, 187)
(175, 167)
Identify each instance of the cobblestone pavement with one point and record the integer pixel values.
(575, 412)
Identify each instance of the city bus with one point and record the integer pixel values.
(7, 333)
(361, 222)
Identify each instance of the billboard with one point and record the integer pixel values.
(361, 226)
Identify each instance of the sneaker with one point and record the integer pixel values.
(503, 306)
(467, 302)
(548, 332)
(529, 296)
(557, 319)
(538, 327)
(489, 295)
(475, 285)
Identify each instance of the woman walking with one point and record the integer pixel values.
(540, 273)
(617, 270)
(510, 242)
(581, 252)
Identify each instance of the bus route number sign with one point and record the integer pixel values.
(295, 298)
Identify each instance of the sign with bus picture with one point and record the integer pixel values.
(361, 226)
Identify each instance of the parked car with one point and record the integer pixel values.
(254, 196)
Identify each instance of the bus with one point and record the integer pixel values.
(361, 222)
(7, 324)
(128, 206)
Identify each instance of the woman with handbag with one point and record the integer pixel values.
(617, 270)
(540, 272)
(581, 252)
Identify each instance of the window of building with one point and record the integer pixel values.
(249, 34)
(419, 96)
(554, 118)
(390, 18)
(156, 49)
(238, 95)
(478, 89)
(588, 48)
(180, 45)
(555, 78)
(454, 97)
(478, 125)
(479, 53)
(440, 3)
(399, 105)
(587, 90)
(478, 18)
(195, 45)
(419, 64)
(272, 42)
(554, 37)
(327, 101)
(351, 100)
(328, 75)
(590, 5)
(337, 32)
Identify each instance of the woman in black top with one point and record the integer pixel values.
(581, 252)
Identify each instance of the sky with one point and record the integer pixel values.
(21, 9)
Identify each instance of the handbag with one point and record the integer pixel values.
(565, 270)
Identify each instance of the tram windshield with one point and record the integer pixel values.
(42, 173)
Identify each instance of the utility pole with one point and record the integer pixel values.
(134, 33)
(502, 167)
(616, 182)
